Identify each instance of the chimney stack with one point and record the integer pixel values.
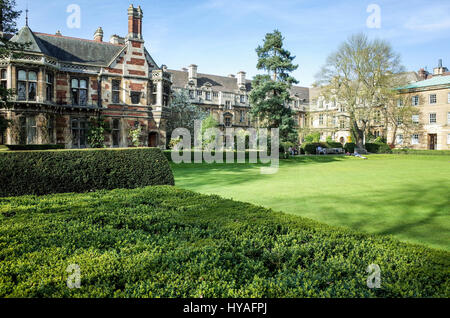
(98, 35)
(135, 16)
(193, 73)
(115, 39)
(241, 79)
(440, 70)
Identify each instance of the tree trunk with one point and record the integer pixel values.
(394, 135)
(357, 134)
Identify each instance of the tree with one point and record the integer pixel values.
(8, 17)
(208, 123)
(270, 94)
(98, 126)
(361, 76)
(399, 114)
(183, 113)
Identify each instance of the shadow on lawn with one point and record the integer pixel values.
(194, 175)
(417, 212)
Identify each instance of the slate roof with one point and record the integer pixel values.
(224, 83)
(68, 49)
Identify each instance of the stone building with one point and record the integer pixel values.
(61, 83)
(432, 97)
(226, 98)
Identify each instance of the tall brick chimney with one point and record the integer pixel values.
(135, 16)
(98, 35)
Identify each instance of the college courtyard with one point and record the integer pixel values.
(93, 205)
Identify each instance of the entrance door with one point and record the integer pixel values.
(432, 141)
(153, 139)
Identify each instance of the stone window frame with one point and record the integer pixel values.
(115, 132)
(433, 99)
(115, 90)
(79, 89)
(49, 86)
(432, 118)
(27, 81)
(4, 78)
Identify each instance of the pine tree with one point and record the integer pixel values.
(270, 94)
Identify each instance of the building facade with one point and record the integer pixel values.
(226, 98)
(432, 97)
(62, 83)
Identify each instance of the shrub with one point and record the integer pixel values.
(407, 151)
(35, 147)
(166, 242)
(313, 137)
(42, 172)
(350, 147)
(334, 144)
(378, 147)
(310, 148)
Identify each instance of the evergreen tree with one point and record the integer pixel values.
(270, 94)
(8, 17)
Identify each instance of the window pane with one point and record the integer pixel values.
(22, 75)
(22, 91)
(74, 83)
(31, 91)
(83, 84)
(32, 76)
(3, 74)
(83, 97)
(75, 96)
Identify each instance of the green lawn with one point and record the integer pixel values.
(403, 195)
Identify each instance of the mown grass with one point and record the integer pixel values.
(401, 195)
(167, 242)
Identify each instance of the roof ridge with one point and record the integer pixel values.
(75, 38)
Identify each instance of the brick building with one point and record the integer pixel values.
(63, 82)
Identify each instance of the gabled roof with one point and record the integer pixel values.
(26, 36)
(68, 49)
(434, 81)
(76, 50)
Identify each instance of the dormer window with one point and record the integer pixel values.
(26, 85)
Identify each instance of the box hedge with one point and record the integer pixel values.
(350, 147)
(407, 151)
(310, 148)
(42, 172)
(35, 147)
(378, 147)
(167, 242)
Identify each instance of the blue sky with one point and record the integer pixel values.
(220, 36)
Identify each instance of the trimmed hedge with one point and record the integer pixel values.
(406, 151)
(334, 144)
(167, 242)
(311, 147)
(35, 147)
(350, 147)
(43, 172)
(378, 147)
